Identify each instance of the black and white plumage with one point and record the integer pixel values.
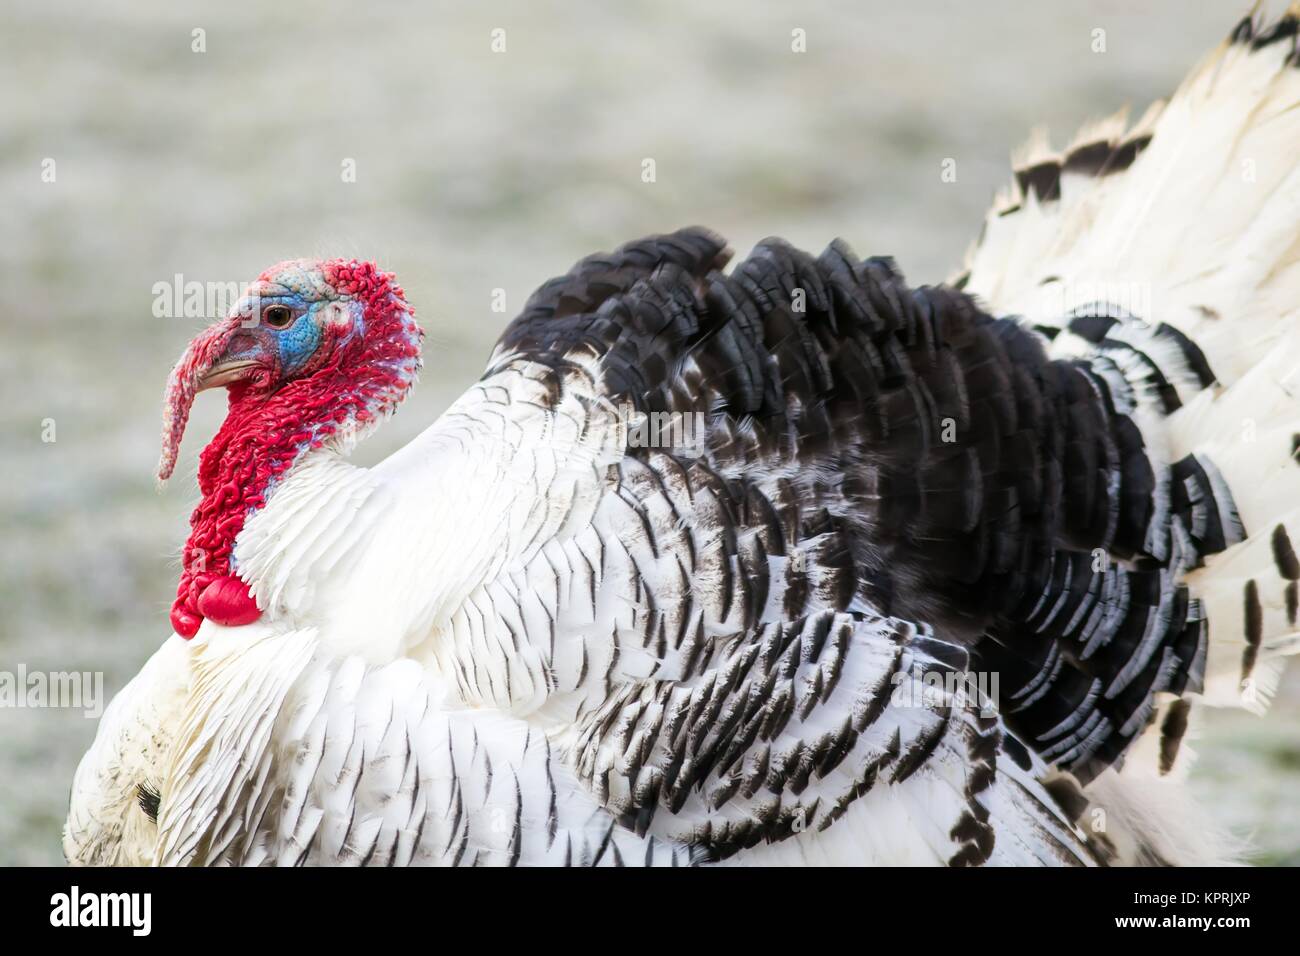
(526, 638)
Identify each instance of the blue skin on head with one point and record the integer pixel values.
(298, 342)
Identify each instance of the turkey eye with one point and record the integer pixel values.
(277, 316)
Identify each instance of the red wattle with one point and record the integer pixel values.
(227, 601)
(184, 623)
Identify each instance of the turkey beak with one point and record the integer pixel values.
(199, 367)
(223, 373)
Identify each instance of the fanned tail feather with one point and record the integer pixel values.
(1165, 257)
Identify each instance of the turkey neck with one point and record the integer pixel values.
(263, 438)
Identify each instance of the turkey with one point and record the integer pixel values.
(774, 562)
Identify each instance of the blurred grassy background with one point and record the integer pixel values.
(474, 171)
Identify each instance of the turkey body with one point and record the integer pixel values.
(783, 561)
